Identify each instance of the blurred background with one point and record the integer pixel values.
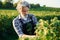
(42, 9)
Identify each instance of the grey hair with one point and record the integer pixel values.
(23, 3)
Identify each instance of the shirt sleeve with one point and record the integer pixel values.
(34, 19)
(17, 28)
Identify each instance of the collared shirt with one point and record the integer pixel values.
(17, 24)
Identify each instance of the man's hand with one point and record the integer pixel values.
(29, 36)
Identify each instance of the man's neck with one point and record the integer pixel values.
(22, 15)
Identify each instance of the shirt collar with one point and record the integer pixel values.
(19, 16)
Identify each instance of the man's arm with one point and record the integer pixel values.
(34, 19)
(17, 28)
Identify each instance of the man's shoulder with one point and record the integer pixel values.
(30, 15)
(16, 19)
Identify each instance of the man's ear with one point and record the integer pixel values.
(16, 7)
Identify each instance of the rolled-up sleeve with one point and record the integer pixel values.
(17, 27)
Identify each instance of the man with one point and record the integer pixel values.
(23, 19)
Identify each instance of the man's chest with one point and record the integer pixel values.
(25, 21)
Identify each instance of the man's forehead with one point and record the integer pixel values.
(23, 7)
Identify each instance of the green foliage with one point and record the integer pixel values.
(48, 31)
(35, 6)
(8, 5)
(47, 28)
(42, 29)
(6, 28)
(0, 4)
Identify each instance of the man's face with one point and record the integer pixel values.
(24, 10)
